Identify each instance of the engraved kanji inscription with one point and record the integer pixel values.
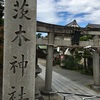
(21, 10)
(13, 94)
(22, 94)
(20, 36)
(18, 64)
(23, 64)
(14, 64)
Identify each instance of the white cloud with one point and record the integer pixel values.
(46, 11)
(54, 12)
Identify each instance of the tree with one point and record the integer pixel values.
(86, 37)
(1, 31)
(1, 46)
(1, 11)
(39, 35)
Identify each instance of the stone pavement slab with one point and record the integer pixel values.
(75, 76)
(63, 84)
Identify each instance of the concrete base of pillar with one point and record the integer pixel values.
(44, 92)
(38, 97)
(96, 87)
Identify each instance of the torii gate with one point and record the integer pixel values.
(53, 31)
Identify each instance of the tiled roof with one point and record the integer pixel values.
(73, 24)
(93, 26)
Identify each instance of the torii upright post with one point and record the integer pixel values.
(49, 64)
(19, 50)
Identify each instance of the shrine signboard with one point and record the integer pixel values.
(19, 50)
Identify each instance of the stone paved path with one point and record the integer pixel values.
(73, 75)
(63, 84)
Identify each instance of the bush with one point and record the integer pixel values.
(87, 72)
(56, 61)
(71, 63)
(85, 38)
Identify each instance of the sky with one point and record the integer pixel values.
(62, 12)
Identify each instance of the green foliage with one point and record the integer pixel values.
(74, 62)
(1, 8)
(87, 72)
(56, 61)
(88, 68)
(87, 54)
(85, 38)
(1, 12)
(78, 56)
(39, 35)
(71, 63)
(1, 22)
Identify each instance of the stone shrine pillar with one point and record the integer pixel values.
(19, 50)
(96, 64)
(49, 64)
